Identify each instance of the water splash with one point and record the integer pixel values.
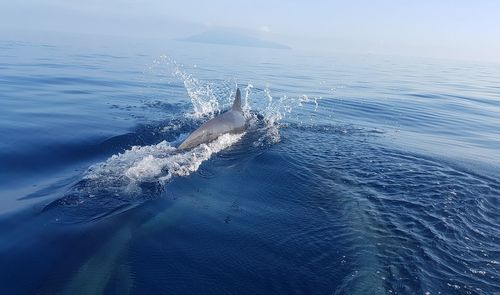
(205, 102)
(211, 97)
(277, 109)
(246, 106)
(207, 98)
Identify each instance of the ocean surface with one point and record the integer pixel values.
(357, 175)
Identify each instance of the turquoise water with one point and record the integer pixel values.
(357, 175)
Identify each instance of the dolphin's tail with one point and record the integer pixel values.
(237, 101)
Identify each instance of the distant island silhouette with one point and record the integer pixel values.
(231, 37)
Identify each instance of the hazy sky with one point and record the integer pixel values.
(462, 29)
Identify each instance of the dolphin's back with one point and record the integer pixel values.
(229, 122)
(232, 121)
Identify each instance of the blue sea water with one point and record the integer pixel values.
(358, 174)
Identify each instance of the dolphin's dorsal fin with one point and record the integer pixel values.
(237, 101)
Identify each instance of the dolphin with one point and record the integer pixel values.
(232, 121)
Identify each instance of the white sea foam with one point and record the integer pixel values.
(122, 173)
(179, 164)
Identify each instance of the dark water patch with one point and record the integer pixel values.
(341, 129)
(77, 92)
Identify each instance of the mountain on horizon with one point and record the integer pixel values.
(230, 37)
